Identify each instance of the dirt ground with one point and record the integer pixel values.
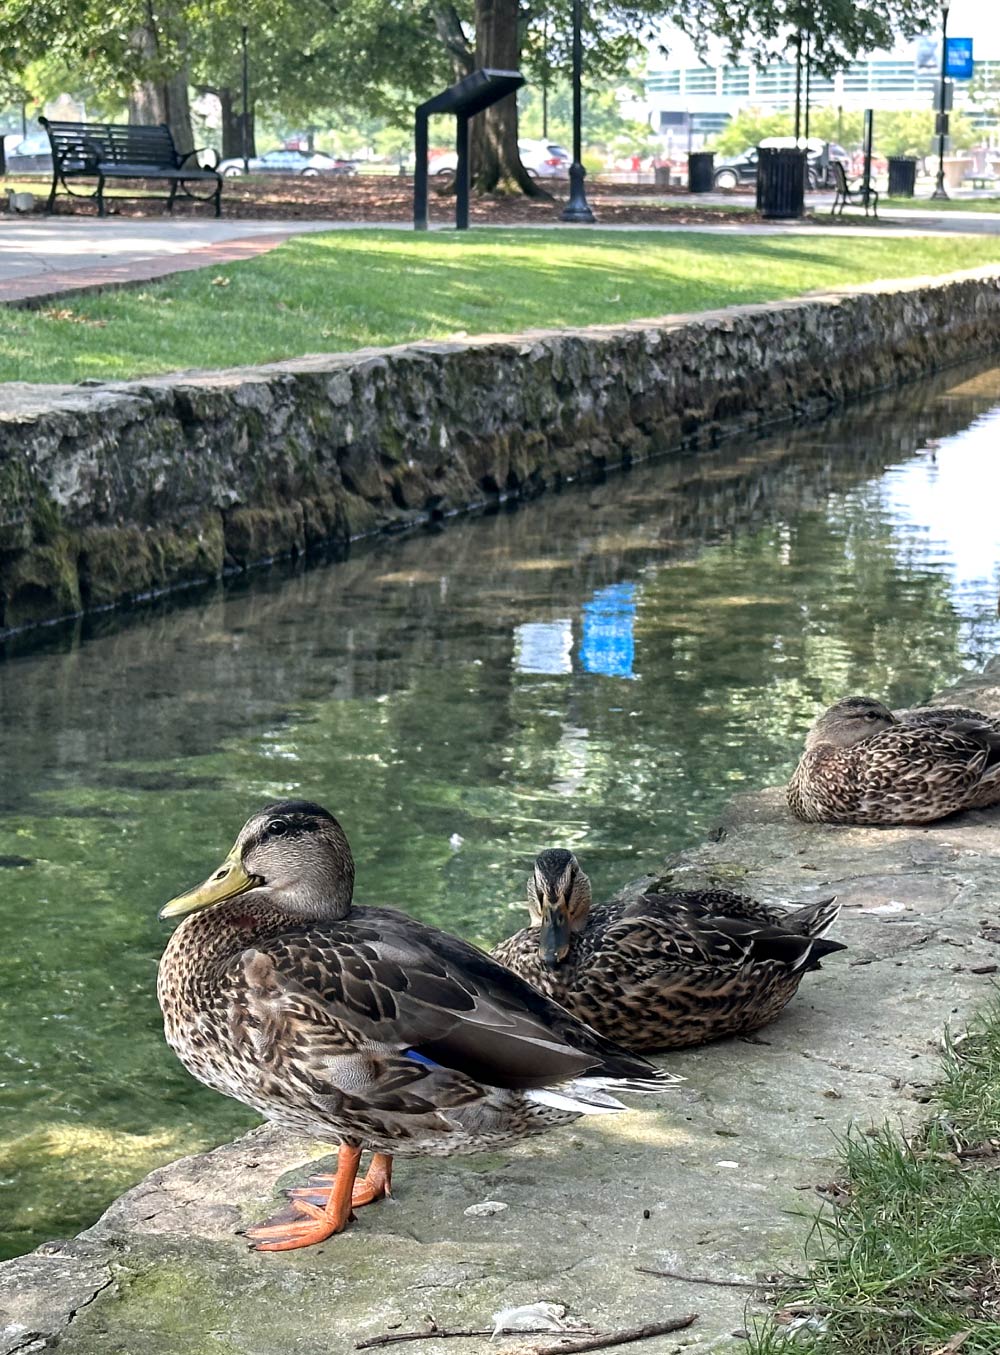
(390, 198)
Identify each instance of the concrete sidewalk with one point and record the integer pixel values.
(48, 256)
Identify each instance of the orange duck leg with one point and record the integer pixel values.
(323, 1206)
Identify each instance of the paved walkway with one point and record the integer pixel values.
(43, 256)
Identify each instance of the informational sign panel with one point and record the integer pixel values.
(958, 58)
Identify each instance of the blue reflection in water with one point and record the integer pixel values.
(608, 643)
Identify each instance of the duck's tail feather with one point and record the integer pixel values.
(593, 1095)
(814, 919)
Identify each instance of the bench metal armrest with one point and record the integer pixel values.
(198, 150)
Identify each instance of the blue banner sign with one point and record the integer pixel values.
(958, 58)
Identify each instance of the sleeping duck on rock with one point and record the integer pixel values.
(663, 970)
(866, 764)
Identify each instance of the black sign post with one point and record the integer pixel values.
(465, 99)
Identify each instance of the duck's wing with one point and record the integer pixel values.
(814, 918)
(381, 981)
(704, 903)
(942, 717)
(910, 762)
(688, 941)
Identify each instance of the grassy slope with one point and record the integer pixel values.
(907, 1259)
(348, 289)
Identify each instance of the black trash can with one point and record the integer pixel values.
(781, 181)
(701, 169)
(902, 175)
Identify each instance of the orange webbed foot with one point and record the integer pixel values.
(299, 1224)
(315, 1211)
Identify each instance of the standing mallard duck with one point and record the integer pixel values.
(664, 970)
(362, 1025)
(864, 763)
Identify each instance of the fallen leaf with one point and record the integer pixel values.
(220, 281)
(956, 1343)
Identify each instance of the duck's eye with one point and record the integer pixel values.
(278, 828)
(871, 715)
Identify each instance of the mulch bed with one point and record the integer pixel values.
(390, 198)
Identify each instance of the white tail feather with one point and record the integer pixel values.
(572, 1098)
(592, 1095)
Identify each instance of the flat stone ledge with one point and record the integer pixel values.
(715, 1180)
(110, 493)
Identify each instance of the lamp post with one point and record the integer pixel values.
(577, 209)
(545, 77)
(939, 188)
(245, 140)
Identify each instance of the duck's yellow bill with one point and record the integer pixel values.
(225, 883)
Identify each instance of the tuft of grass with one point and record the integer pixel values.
(906, 1259)
(348, 289)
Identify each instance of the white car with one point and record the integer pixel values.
(542, 160)
(287, 162)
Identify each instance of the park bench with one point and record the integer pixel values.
(858, 194)
(982, 180)
(108, 151)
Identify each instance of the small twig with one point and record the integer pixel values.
(617, 1338)
(392, 1338)
(699, 1279)
(836, 1310)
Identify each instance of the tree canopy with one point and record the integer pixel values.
(378, 58)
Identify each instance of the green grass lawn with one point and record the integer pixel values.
(942, 204)
(906, 1260)
(351, 288)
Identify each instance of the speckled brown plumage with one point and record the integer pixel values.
(363, 1026)
(664, 970)
(865, 764)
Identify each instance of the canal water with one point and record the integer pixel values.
(599, 669)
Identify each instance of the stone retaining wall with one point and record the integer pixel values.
(111, 492)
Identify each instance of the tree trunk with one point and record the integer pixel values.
(232, 126)
(496, 162)
(164, 99)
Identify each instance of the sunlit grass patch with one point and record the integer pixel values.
(349, 289)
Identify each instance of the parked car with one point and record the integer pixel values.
(542, 160)
(288, 162)
(742, 168)
(28, 155)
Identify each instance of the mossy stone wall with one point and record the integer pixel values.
(109, 493)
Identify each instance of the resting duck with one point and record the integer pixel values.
(664, 970)
(361, 1025)
(866, 764)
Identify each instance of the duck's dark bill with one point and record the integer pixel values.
(554, 935)
(225, 883)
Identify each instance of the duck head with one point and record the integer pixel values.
(849, 721)
(293, 855)
(558, 901)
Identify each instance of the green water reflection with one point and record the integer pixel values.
(601, 668)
